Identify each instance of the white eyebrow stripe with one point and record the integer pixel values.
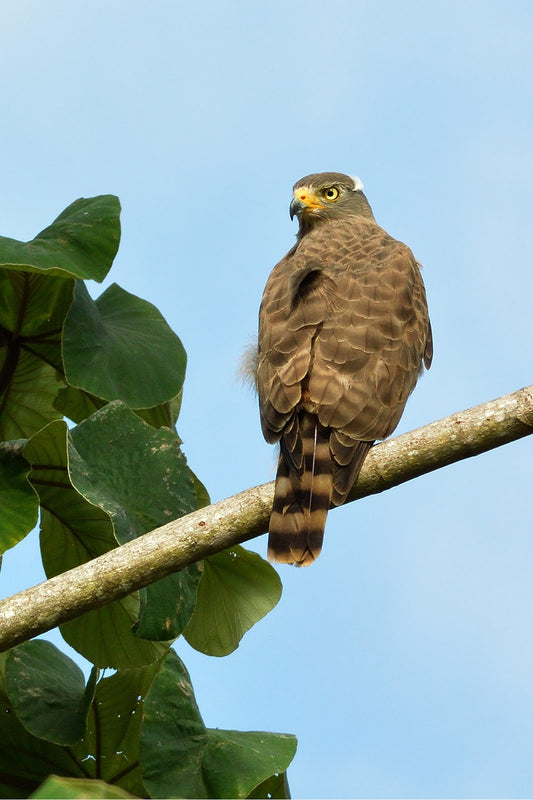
(359, 185)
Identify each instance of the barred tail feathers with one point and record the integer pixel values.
(302, 494)
(348, 456)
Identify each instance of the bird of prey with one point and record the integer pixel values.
(344, 333)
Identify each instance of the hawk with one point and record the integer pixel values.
(344, 333)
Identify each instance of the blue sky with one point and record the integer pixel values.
(402, 658)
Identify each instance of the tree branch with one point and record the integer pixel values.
(244, 516)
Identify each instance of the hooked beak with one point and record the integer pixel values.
(304, 200)
(296, 207)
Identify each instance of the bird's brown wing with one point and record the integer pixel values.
(343, 332)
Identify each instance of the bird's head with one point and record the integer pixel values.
(327, 195)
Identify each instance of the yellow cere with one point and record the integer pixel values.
(308, 197)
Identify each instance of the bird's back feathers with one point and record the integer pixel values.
(343, 332)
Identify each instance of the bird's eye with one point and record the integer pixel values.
(331, 193)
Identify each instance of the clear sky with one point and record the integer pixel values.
(402, 659)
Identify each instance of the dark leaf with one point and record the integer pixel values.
(47, 692)
(163, 415)
(119, 347)
(36, 287)
(32, 312)
(81, 243)
(167, 605)
(181, 757)
(77, 405)
(19, 773)
(139, 476)
(18, 501)
(74, 530)
(110, 748)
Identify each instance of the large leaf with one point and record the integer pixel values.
(36, 288)
(237, 589)
(106, 637)
(110, 749)
(25, 760)
(73, 531)
(56, 788)
(113, 478)
(136, 473)
(81, 243)
(32, 312)
(119, 347)
(47, 692)
(140, 477)
(181, 757)
(18, 501)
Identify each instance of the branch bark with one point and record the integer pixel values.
(244, 516)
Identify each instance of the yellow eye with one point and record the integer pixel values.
(331, 193)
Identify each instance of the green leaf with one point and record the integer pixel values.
(236, 590)
(81, 243)
(237, 761)
(121, 478)
(77, 405)
(167, 605)
(32, 312)
(25, 760)
(105, 636)
(18, 501)
(73, 531)
(136, 473)
(181, 757)
(202, 495)
(142, 482)
(119, 347)
(110, 749)
(275, 787)
(47, 692)
(163, 415)
(74, 788)
(27, 402)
